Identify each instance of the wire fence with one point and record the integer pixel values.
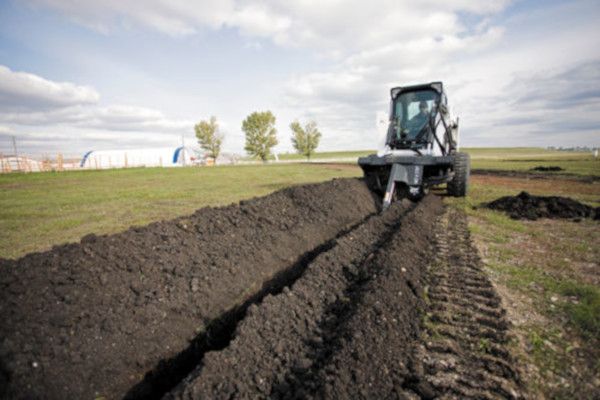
(35, 162)
(26, 162)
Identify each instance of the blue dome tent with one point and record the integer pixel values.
(157, 157)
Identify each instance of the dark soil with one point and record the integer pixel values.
(126, 314)
(305, 293)
(527, 206)
(351, 326)
(547, 169)
(464, 351)
(537, 175)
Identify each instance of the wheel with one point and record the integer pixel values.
(459, 185)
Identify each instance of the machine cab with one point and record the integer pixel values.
(419, 120)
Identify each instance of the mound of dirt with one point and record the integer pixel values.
(342, 329)
(527, 206)
(547, 169)
(115, 315)
(351, 326)
(535, 175)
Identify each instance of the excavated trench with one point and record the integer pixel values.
(305, 293)
(93, 319)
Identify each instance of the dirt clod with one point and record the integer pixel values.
(547, 169)
(527, 206)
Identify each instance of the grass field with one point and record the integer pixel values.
(319, 156)
(43, 209)
(39, 210)
(525, 158)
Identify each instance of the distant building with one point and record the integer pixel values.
(157, 157)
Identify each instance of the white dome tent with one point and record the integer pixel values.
(156, 157)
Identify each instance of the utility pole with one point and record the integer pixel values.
(16, 154)
(182, 150)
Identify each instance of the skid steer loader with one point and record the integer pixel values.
(420, 149)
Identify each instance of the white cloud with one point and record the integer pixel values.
(172, 17)
(21, 91)
(257, 20)
(5, 130)
(335, 27)
(110, 118)
(487, 57)
(117, 117)
(34, 108)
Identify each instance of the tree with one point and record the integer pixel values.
(305, 140)
(209, 137)
(260, 134)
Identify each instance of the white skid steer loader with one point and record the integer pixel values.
(421, 147)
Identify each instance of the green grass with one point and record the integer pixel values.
(500, 153)
(39, 210)
(319, 156)
(580, 302)
(525, 158)
(511, 159)
(547, 278)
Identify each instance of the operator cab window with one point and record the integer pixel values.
(411, 113)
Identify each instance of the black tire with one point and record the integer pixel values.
(459, 185)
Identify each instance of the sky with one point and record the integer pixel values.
(88, 75)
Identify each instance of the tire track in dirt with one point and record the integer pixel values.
(463, 353)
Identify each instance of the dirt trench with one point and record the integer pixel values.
(126, 315)
(352, 326)
(305, 293)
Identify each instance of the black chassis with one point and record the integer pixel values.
(421, 171)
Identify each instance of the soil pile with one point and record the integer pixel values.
(547, 169)
(527, 206)
(94, 318)
(536, 175)
(340, 331)
(351, 327)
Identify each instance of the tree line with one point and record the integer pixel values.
(261, 136)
